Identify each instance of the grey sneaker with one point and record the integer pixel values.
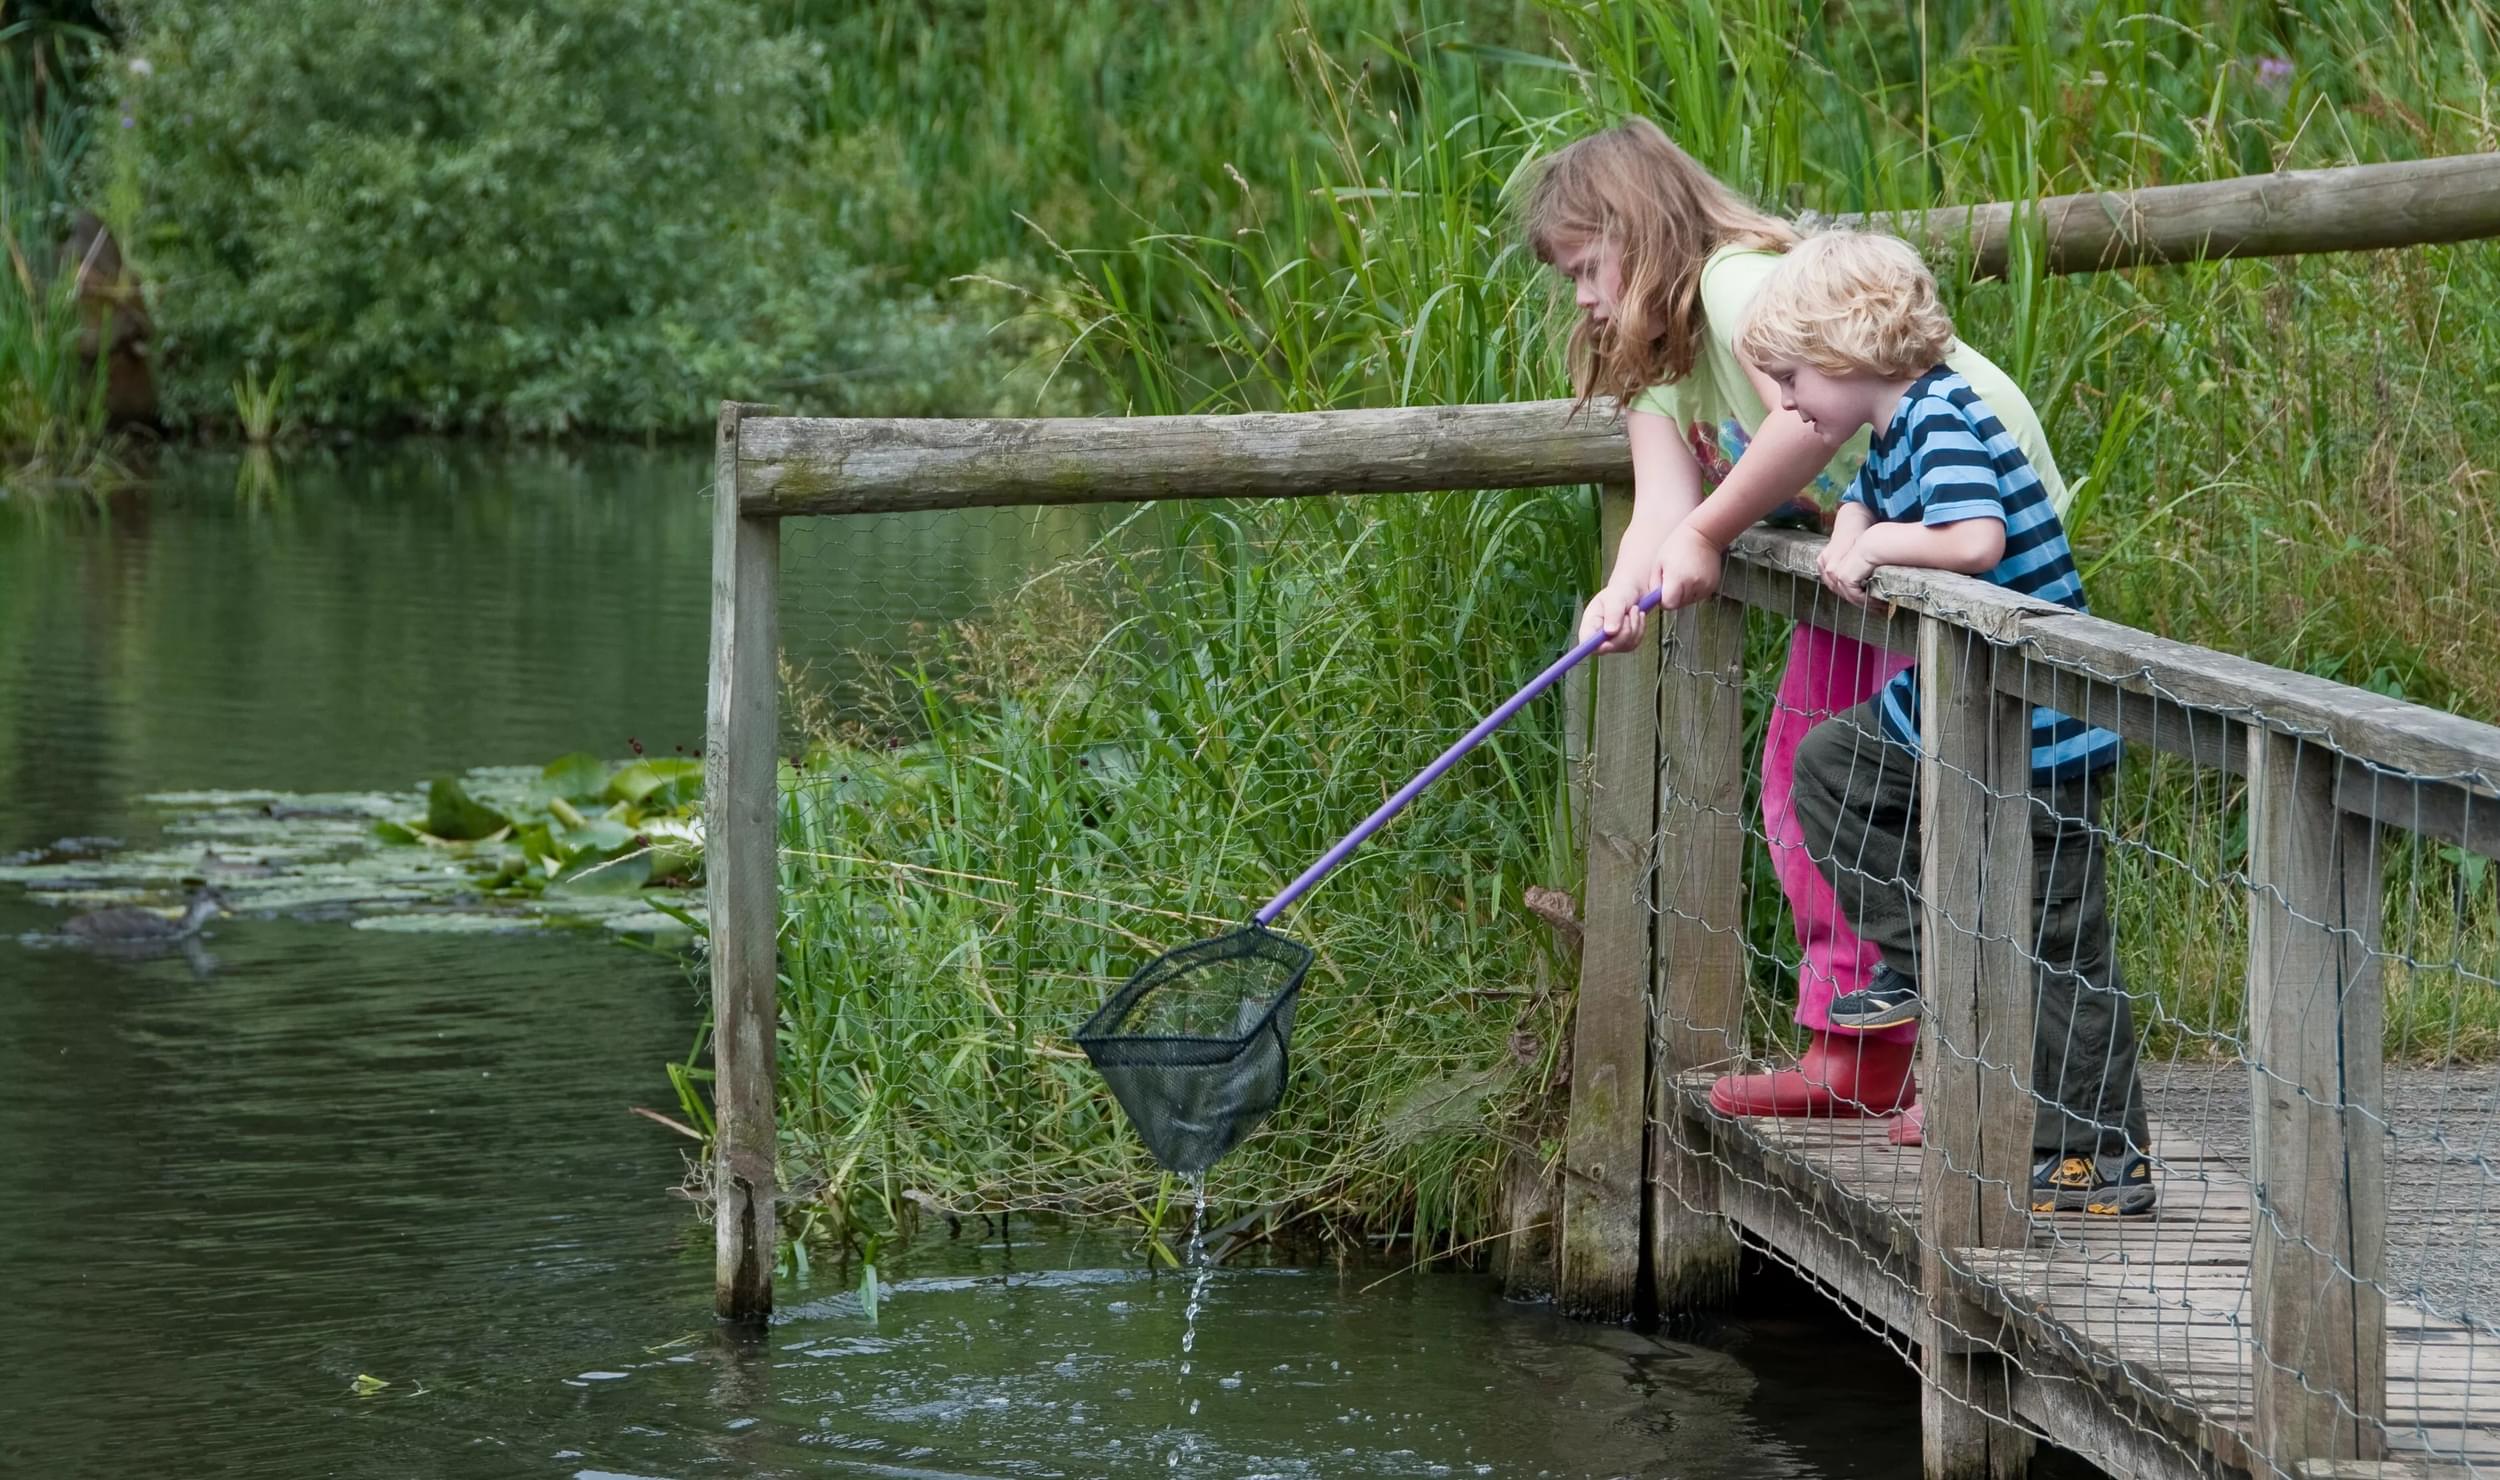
(1886, 999)
(2114, 1184)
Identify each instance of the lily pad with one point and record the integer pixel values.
(596, 835)
(223, 799)
(622, 870)
(453, 815)
(446, 923)
(646, 922)
(575, 778)
(661, 781)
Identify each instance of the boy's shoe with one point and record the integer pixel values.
(1886, 999)
(2114, 1184)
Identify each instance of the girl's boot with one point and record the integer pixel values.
(1840, 1076)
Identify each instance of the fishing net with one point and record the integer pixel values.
(1194, 1045)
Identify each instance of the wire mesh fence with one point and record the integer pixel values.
(2236, 1015)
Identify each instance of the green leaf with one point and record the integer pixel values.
(395, 832)
(534, 841)
(512, 873)
(662, 781)
(674, 863)
(578, 777)
(620, 871)
(1512, 56)
(453, 815)
(599, 835)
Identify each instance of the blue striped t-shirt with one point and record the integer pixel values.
(1945, 458)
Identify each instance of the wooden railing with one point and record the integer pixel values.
(2414, 202)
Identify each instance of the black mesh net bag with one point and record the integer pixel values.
(1194, 1045)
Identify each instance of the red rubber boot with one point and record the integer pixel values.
(1840, 1076)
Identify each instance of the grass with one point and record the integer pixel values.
(2282, 459)
(52, 422)
(52, 410)
(980, 850)
(260, 405)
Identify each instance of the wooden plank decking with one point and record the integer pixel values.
(2133, 1337)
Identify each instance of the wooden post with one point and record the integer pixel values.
(1602, 1147)
(1699, 987)
(742, 814)
(2318, 1271)
(1976, 976)
(1575, 797)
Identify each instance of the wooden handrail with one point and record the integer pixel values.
(2409, 765)
(803, 465)
(2415, 202)
(2406, 763)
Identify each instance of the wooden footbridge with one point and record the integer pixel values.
(2133, 1343)
(2250, 1327)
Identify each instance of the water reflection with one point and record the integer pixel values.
(363, 1204)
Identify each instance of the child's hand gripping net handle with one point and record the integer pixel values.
(1433, 772)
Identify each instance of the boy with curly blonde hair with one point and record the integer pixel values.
(1849, 328)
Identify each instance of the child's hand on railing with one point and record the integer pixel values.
(1844, 570)
(1687, 569)
(1843, 564)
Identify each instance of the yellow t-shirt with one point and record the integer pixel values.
(1719, 410)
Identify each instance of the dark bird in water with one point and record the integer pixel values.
(131, 925)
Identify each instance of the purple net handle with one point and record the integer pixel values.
(1433, 772)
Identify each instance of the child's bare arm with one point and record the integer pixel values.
(1666, 484)
(1782, 458)
(1970, 546)
(1853, 520)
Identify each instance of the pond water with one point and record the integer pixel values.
(237, 1183)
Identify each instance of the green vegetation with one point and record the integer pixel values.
(1091, 789)
(583, 827)
(2274, 458)
(574, 215)
(52, 422)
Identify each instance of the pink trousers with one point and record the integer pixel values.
(1826, 674)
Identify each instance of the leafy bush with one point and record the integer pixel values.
(558, 215)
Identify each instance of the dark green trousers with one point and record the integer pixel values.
(1857, 803)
